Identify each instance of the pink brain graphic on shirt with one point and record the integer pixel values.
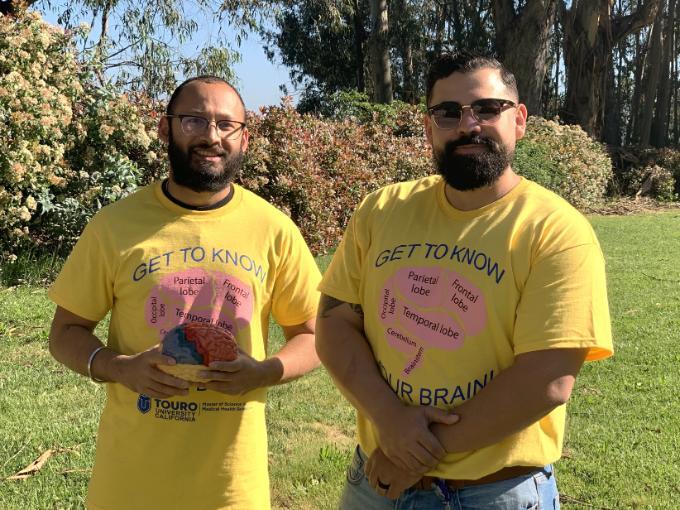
(429, 307)
(202, 297)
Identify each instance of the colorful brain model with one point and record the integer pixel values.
(194, 345)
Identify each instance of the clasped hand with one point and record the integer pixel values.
(405, 437)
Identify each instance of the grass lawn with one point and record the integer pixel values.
(623, 433)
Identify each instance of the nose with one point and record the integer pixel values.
(468, 123)
(211, 133)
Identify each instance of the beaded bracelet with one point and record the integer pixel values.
(89, 364)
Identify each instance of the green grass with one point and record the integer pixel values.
(623, 433)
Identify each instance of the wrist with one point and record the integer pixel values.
(387, 413)
(108, 365)
(270, 372)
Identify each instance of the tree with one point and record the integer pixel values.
(660, 125)
(380, 52)
(523, 42)
(137, 45)
(590, 34)
(653, 61)
(323, 44)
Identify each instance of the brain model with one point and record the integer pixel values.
(194, 346)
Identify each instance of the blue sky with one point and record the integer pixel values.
(258, 78)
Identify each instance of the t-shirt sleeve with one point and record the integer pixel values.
(564, 304)
(295, 296)
(342, 279)
(85, 284)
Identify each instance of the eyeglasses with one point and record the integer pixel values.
(447, 115)
(193, 125)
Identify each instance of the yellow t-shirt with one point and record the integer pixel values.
(451, 297)
(155, 265)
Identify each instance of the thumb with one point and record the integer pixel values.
(436, 415)
(154, 357)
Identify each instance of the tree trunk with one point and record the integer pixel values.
(639, 56)
(659, 134)
(523, 43)
(438, 44)
(652, 73)
(410, 94)
(359, 37)
(380, 53)
(611, 133)
(590, 34)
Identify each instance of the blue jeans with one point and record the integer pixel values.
(537, 491)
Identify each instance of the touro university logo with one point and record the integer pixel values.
(144, 404)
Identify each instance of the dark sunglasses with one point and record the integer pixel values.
(447, 115)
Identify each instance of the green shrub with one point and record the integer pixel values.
(565, 159)
(403, 118)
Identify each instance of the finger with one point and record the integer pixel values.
(431, 444)
(394, 492)
(215, 375)
(154, 357)
(169, 380)
(227, 366)
(403, 463)
(436, 415)
(371, 473)
(430, 451)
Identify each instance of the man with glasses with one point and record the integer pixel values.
(192, 251)
(457, 312)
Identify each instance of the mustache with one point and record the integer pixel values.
(216, 149)
(471, 140)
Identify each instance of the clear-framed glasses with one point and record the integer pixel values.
(193, 125)
(447, 115)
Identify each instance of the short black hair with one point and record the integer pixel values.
(206, 78)
(464, 62)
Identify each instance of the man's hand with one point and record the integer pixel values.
(140, 374)
(386, 478)
(242, 375)
(405, 437)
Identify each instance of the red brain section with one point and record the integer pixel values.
(213, 343)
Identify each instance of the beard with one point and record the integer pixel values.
(466, 172)
(203, 176)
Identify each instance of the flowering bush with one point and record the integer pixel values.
(70, 147)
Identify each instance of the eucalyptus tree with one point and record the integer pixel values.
(148, 46)
(591, 31)
(523, 32)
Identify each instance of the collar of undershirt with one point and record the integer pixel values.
(216, 205)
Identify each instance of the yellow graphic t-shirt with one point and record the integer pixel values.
(156, 265)
(451, 297)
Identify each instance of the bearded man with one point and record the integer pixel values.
(195, 248)
(457, 312)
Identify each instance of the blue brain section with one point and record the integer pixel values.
(175, 344)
